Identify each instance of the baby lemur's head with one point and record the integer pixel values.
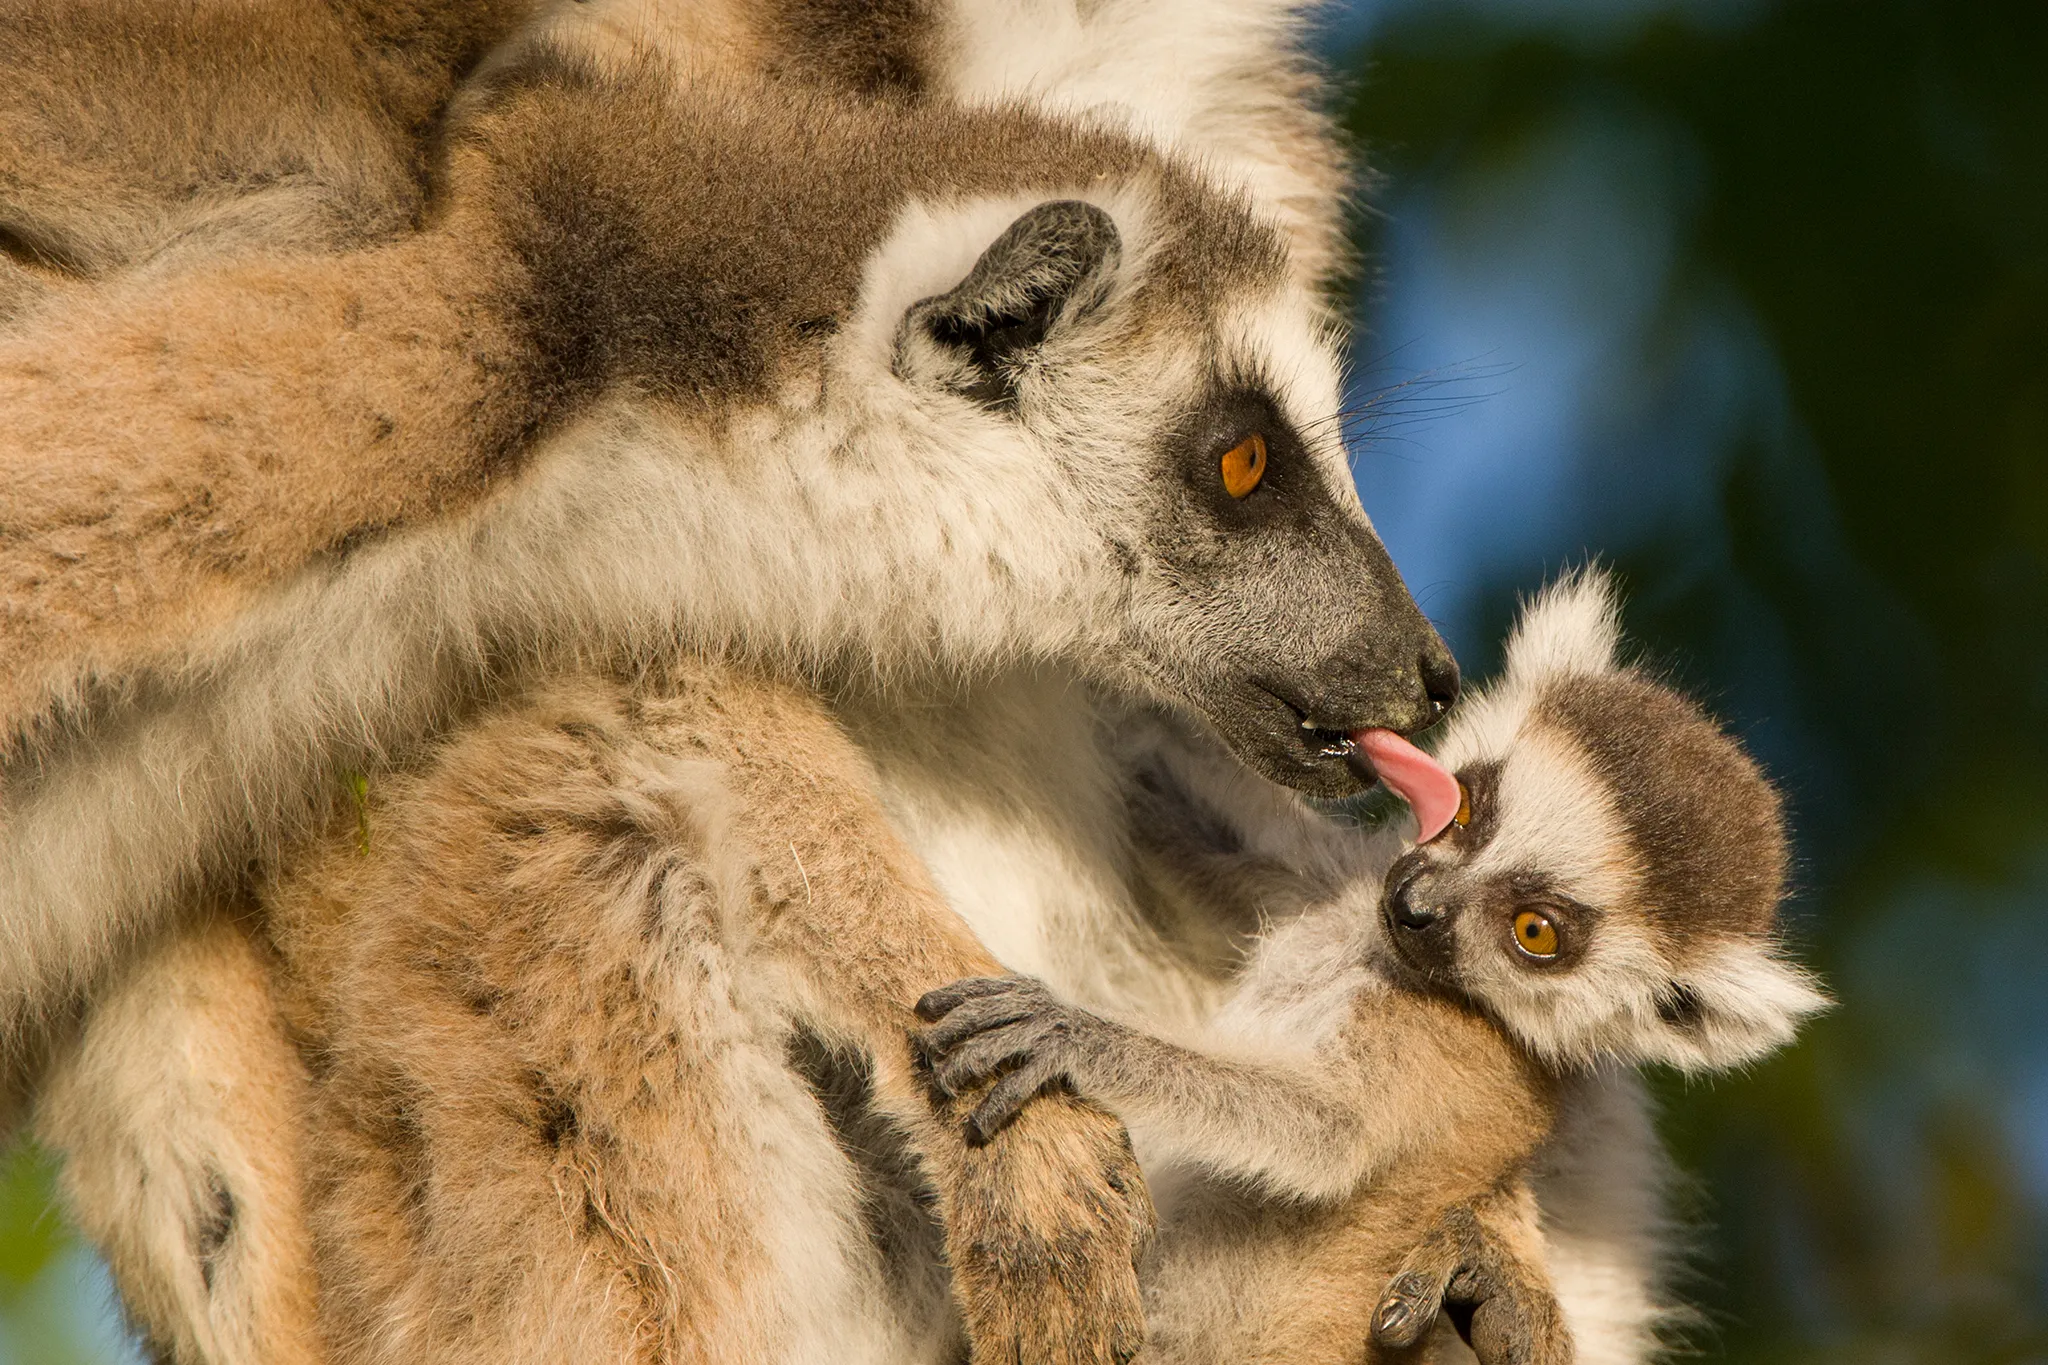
(1610, 887)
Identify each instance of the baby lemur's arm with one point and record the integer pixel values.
(1391, 1074)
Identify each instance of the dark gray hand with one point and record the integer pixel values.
(1008, 1026)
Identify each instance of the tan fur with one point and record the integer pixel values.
(544, 1006)
(179, 1111)
(168, 456)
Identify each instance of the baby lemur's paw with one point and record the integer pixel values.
(1497, 1299)
(1011, 1027)
(1044, 1234)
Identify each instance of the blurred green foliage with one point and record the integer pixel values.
(1868, 599)
(55, 1305)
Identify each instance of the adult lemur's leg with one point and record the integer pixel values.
(553, 985)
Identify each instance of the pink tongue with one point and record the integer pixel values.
(1415, 777)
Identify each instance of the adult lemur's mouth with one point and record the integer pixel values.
(1328, 743)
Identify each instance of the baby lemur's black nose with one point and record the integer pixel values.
(1409, 915)
(1402, 903)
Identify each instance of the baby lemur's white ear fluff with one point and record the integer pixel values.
(1611, 887)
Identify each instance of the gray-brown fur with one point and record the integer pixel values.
(874, 47)
(1706, 826)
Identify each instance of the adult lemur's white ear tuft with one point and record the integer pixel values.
(1739, 1006)
(979, 336)
(1572, 626)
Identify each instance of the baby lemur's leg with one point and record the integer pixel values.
(554, 1005)
(177, 1112)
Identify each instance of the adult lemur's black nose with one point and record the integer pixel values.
(1439, 676)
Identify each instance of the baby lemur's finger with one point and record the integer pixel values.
(1010, 1095)
(982, 1056)
(973, 1017)
(935, 1003)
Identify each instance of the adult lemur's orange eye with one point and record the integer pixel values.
(1464, 815)
(1244, 464)
(1535, 934)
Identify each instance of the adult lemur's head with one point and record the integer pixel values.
(1610, 887)
(1139, 406)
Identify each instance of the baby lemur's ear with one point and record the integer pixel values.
(1737, 1006)
(977, 337)
(1572, 626)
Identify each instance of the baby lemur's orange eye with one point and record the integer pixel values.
(1244, 464)
(1464, 815)
(1535, 934)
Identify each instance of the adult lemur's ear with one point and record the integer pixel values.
(978, 336)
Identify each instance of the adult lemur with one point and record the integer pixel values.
(685, 355)
(1048, 881)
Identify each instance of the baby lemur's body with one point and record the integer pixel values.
(1606, 897)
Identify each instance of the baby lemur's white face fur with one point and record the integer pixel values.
(1610, 888)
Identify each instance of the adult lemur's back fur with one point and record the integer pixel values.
(139, 134)
(270, 519)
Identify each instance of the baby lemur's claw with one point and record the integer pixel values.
(1011, 1028)
(1497, 1300)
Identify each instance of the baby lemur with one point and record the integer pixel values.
(1606, 895)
